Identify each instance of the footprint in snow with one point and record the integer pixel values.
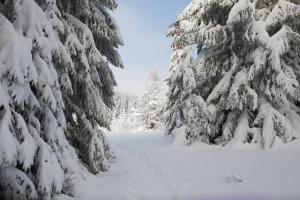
(232, 179)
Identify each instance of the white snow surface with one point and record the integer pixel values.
(149, 167)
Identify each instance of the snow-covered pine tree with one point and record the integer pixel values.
(185, 107)
(152, 102)
(91, 37)
(246, 69)
(175, 118)
(42, 49)
(32, 122)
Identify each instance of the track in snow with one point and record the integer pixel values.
(149, 168)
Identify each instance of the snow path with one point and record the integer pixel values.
(155, 170)
(148, 167)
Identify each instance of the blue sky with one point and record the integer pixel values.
(144, 24)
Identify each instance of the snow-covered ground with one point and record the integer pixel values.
(149, 167)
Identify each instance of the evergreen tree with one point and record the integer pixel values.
(152, 102)
(91, 38)
(245, 73)
(55, 82)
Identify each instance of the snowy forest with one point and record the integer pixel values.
(222, 123)
(144, 112)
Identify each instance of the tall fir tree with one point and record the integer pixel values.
(92, 37)
(55, 82)
(152, 102)
(245, 74)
